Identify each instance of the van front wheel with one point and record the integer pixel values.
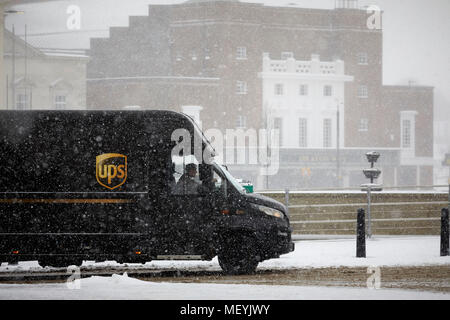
(238, 256)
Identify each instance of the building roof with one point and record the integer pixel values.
(32, 50)
(406, 87)
(200, 1)
(13, 2)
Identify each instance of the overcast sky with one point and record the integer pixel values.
(416, 33)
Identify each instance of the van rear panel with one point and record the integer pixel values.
(57, 152)
(80, 182)
(69, 225)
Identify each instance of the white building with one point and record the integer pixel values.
(42, 79)
(302, 99)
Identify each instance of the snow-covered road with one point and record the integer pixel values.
(124, 287)
(309, 253)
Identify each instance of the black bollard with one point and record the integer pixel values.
(361, 234)
(444, 233)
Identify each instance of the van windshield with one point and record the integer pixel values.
(230, 178)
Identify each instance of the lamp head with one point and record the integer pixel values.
(372, 156)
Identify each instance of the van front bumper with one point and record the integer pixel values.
(276, 243)
(284, 243)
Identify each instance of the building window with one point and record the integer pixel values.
(328, 91)
(241, 122)
(241, 87)
(303, 89)
(327, 133)
(22, 101)
(241, 53)
(362, 58)
(363, 125)
(278, 125)
(286, 55)
(406, 134)
(207, 54)
(60, 102)
(303, 133)
(279, 89)
(363, 92)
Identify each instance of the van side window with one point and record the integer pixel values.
(185, 179)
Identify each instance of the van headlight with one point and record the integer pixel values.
(269, 211)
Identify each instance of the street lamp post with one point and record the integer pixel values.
(338, 142)
(371, 173)
(13, 85)
(338, 160)
(13, 80)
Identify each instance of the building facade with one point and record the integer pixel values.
(39, 79)
(304, 99)
(234, 60)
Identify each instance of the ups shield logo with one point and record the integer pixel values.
(111, 170)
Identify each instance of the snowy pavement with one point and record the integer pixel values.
(123, 287)
(309, 253)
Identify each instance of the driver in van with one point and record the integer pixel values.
(187, 183)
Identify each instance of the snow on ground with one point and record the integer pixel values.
(441, 189)
(309, 253)
(380, 251)
(123, 287)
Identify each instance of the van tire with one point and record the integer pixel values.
(238, 255)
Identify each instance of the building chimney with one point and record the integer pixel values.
(346, 4)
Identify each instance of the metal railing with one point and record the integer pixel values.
(394, 209)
